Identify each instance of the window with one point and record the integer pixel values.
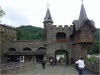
(61, 37)
(5, 31)
(86, 34)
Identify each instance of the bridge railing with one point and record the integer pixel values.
(95, 67)
(16, 67)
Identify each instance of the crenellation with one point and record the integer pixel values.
(71, 27)
(66, 27)
(54, 27)
(60, 27)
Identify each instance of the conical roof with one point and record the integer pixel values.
(83, 15)
(48, 16)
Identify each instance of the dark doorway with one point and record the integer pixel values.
(12, 58)
(39, 54)
(39, 58)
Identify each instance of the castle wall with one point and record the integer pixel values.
(8, 32)
(33, 45)
(5, 44)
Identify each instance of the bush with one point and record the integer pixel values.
(91, 59)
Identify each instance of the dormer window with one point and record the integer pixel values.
(48, 17)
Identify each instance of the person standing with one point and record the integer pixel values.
(80, 63)
(51, 62)
(43, 63)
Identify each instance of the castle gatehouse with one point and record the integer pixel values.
(68, 43)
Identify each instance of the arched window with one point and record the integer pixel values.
(11, 49)
(27, 49)
(41, 49)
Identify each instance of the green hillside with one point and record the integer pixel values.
(29, 33)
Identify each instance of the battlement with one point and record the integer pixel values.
(59, 27)
(71, 27)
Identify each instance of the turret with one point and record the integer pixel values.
(83, 33)
(47, 21)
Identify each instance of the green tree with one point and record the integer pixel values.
(2, 12)
(29, 32)
(19, 34)
(95, 47)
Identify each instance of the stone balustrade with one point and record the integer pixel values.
(95, 67)
(17, 68)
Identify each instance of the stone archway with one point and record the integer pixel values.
(26, 49)
(11, 58)
(61, 55)
(26, 58)
(11, 49)
(40, 53)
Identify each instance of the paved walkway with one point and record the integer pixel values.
(60, 69)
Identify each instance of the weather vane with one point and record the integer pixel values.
(47, 4)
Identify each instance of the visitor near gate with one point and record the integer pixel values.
(81, 65)
(43, 63)
(51, 62)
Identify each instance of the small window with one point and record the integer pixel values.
(86, 34)
(49, 17)
(5, 31)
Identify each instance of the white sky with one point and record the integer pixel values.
(32, 12)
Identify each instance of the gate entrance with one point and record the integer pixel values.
(61, 57)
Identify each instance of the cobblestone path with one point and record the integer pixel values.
(60, 69)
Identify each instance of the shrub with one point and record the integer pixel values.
(91, 59)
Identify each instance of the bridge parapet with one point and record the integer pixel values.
(95, 67)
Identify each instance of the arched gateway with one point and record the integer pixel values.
(61, 56)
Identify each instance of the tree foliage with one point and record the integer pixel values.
(96, 43)
(91, 59)
(29, 33)
(2, 12)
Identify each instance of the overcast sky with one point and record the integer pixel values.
(32, 12)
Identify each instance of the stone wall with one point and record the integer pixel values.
(8, 31)
(5, 44)
(18, 68)
(95, 67)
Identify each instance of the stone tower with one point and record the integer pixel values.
(82, 36)
(47, 22)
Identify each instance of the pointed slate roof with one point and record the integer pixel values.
(48, 16)
(82, 17)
